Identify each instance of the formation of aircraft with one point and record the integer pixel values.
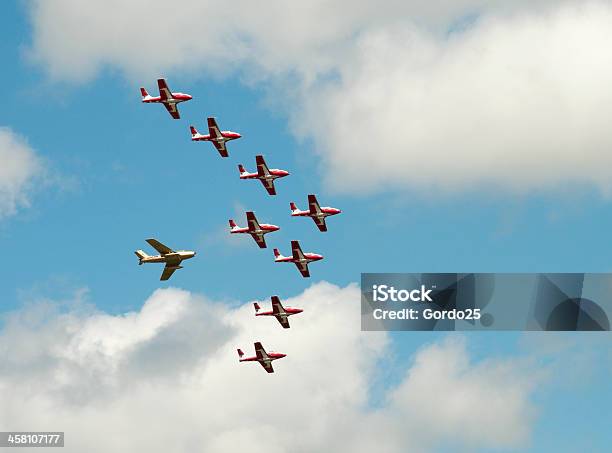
(278, 311)
(166, 97)
(216, 136)
(166, 255)
(254, 228)
(316, 212)
(264, 174)
(173, 258)
(299, 258)
(261, 356)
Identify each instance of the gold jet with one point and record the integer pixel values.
(172, 258)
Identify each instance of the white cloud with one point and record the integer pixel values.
(443, 377)
(19, 168)
(166, 378)
(75, 41)
(517, 101)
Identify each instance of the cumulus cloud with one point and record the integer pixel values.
(428, 96)
(75, 41)
(19, 168)
(443, 377)
(166, 378)
(515, 103)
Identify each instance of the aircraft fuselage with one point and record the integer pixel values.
(288, 312)
(271, 357)
(269, 177)
(264, 229)
(175, 99)
(169, 257)
(226, 137)
(323, 212)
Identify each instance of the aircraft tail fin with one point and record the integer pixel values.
(277, 254)
(232, 224)
(194, 131)
(144, 93)
(257, 307)
(241, 169)
(141, 255)
(293, 207)
(240, 353)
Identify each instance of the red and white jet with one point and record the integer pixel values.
(255, 229)
(166, 97)
(264, 174)
(215, 135)
(278, 311)
(315, 211)
(298, 257)
(261, 356)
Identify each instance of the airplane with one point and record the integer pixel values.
(261, 356)
(166, 97)
(316, 212)
(254, 228)
(172, 258)
(298, 257)
(278, 311)
(264, 174)
(215, 135)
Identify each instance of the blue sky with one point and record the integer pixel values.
(119, 171)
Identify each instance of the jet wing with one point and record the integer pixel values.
(168, 271)
(253, 226)
(269, 185)
(252, 221)
(161, 248)
(260, 239)
(164, 91)
(283, 321)
(298, 255)
(262, 356)
(262, 167)
(277, 307)
(213, 129)
(267, 366)
(172, 110)
(220, 147)
(279, 312)
(263, 173)
(303, 268)
(299, 258)
(313, 205)
(260, 352)
(320, 223)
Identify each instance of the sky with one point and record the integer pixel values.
(467, 137)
